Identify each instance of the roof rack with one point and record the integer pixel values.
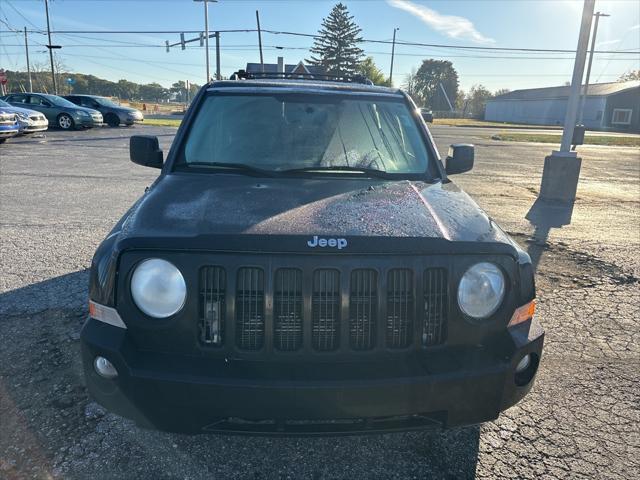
(244, 75)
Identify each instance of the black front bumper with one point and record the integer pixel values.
(443, 388)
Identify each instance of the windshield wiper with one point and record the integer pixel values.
(239, 167)
(374, 172)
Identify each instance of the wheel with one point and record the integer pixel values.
(2, 140)
(112, 120)
(65, 122)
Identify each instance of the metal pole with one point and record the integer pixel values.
(260, 41)
(206, 37)
(26, 48)
(393, 51)
(218, 76)
(446, 97)
(576, 80)
(50, 47)
(583, 98)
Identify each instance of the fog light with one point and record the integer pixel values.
(523, 364)
(105, 368)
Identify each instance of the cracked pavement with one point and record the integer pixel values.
(61, 193)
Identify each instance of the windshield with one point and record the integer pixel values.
(304, 131)
(105, 102)
(59, 101)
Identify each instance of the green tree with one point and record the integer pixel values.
(369, 69)
(409, 85)
(336, 46)
(478, 96)
(127, 90)
(179, 89)
(153, 92)
(501, 91)
(431, 74)
(630, 75)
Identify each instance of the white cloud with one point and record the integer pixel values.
(450, 25)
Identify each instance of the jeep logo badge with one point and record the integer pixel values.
(338, 243)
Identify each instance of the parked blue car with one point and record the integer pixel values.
(29, 121)
(8, 125)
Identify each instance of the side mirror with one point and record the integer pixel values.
(427, 116)
(145, 150)
(460, 158)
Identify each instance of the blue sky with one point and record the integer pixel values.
(508, 23)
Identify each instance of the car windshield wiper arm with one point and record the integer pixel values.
(242, 167)
(374, 172)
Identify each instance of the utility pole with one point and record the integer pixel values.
(51, 47)
(583, 99)
(206, 34)
(218, 76)
(562, 168)
(393, 52)
(26, 48)
(260, 41)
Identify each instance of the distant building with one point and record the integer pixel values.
(290, 69)
(608, 106)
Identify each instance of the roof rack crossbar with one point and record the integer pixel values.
(244, 75)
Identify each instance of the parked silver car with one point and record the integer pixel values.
(8, 125)
(29, 121)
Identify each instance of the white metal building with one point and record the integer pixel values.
(608, 106)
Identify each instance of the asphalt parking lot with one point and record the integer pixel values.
(62, 192)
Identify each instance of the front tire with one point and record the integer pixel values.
(2, 140)
(112, 120)
(65, 122)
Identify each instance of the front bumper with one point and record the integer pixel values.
(8, 131)
(442, 388)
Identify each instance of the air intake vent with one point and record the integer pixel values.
(250, 309)
(212, 305)
(363, 309)
(288, 309)
(400, 310)
(435, 306)
(325, 309)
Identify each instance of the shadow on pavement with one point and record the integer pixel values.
(52, 427)
(545, 215)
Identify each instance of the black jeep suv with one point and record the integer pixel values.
(304, 265)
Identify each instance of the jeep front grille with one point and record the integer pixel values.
(363, 309)
(250, 308)
(212, 305)
(435, 306)
(399, 308)
(288, 309)
(323, 310)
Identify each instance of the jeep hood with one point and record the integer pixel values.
(197, 210)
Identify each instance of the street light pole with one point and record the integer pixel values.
(206, 34)
(393, 52)
(562, 168)
(50, 47)
(583, 98)
(26, 48)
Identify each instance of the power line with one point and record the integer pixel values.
(314, 36)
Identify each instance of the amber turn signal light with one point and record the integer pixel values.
(523, 313)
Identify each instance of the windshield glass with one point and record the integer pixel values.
(293, 131)
(105, 102)
(59, 101)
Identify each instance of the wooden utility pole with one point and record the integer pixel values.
(51, 47)
(260, 41)
(26, 48)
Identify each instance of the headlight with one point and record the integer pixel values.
(158, 288)
(22, 116)
(481, 290)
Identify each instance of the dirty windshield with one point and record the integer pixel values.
(306, 131)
